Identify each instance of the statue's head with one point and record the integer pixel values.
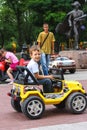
(76, 4)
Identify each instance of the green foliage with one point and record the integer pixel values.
(8, 46)
(23, 19)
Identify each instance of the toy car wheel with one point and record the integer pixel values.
(64, 70)
(76, 103)
(72, 71)
(33, 107)
(54, 67)
(16, 105)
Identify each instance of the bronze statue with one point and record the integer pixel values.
(71, 26)
(75, 22)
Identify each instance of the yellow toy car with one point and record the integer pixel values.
(30, 99)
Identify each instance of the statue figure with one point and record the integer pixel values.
(75, 22)
(72, 24)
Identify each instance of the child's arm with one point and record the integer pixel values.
(8, 60)
(43, 76)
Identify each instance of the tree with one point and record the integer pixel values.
(27, 16)
(7, 24)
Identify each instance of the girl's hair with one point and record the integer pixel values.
(34, 48)
(2, 50)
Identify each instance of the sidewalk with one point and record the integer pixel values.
(73, 126)
(81, 69)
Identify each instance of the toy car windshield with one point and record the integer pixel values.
(57, 73)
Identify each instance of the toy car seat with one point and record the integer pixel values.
(22, 78)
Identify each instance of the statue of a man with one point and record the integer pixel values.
(75, 22)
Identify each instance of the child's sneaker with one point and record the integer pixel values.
(11, 82)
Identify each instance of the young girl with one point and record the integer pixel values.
(33, 66)
(12, 60)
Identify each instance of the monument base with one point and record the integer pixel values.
(80, 56)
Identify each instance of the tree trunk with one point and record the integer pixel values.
(20, 29)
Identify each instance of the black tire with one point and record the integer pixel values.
(60, 106)
(16, 105)
(54, 67)
(2, 76)
(72, 71)
(33, 107)
(64, 71)
(76, 103)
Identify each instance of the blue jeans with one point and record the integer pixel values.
(47, 85)
(45, 58)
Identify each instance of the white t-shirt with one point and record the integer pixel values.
(33, 67)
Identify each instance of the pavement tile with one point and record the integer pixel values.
(73, 126)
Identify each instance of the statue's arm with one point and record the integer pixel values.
(70, 20)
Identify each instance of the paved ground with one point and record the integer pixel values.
(73, 126)
(80, 74)
(53, 119)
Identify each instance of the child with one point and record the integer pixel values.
(12, 60)
(33, 66)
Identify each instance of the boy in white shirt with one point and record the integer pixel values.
(33, 66)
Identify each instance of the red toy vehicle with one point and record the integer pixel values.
(22, 62)
(3, 67)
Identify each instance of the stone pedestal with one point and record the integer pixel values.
(80, 56)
